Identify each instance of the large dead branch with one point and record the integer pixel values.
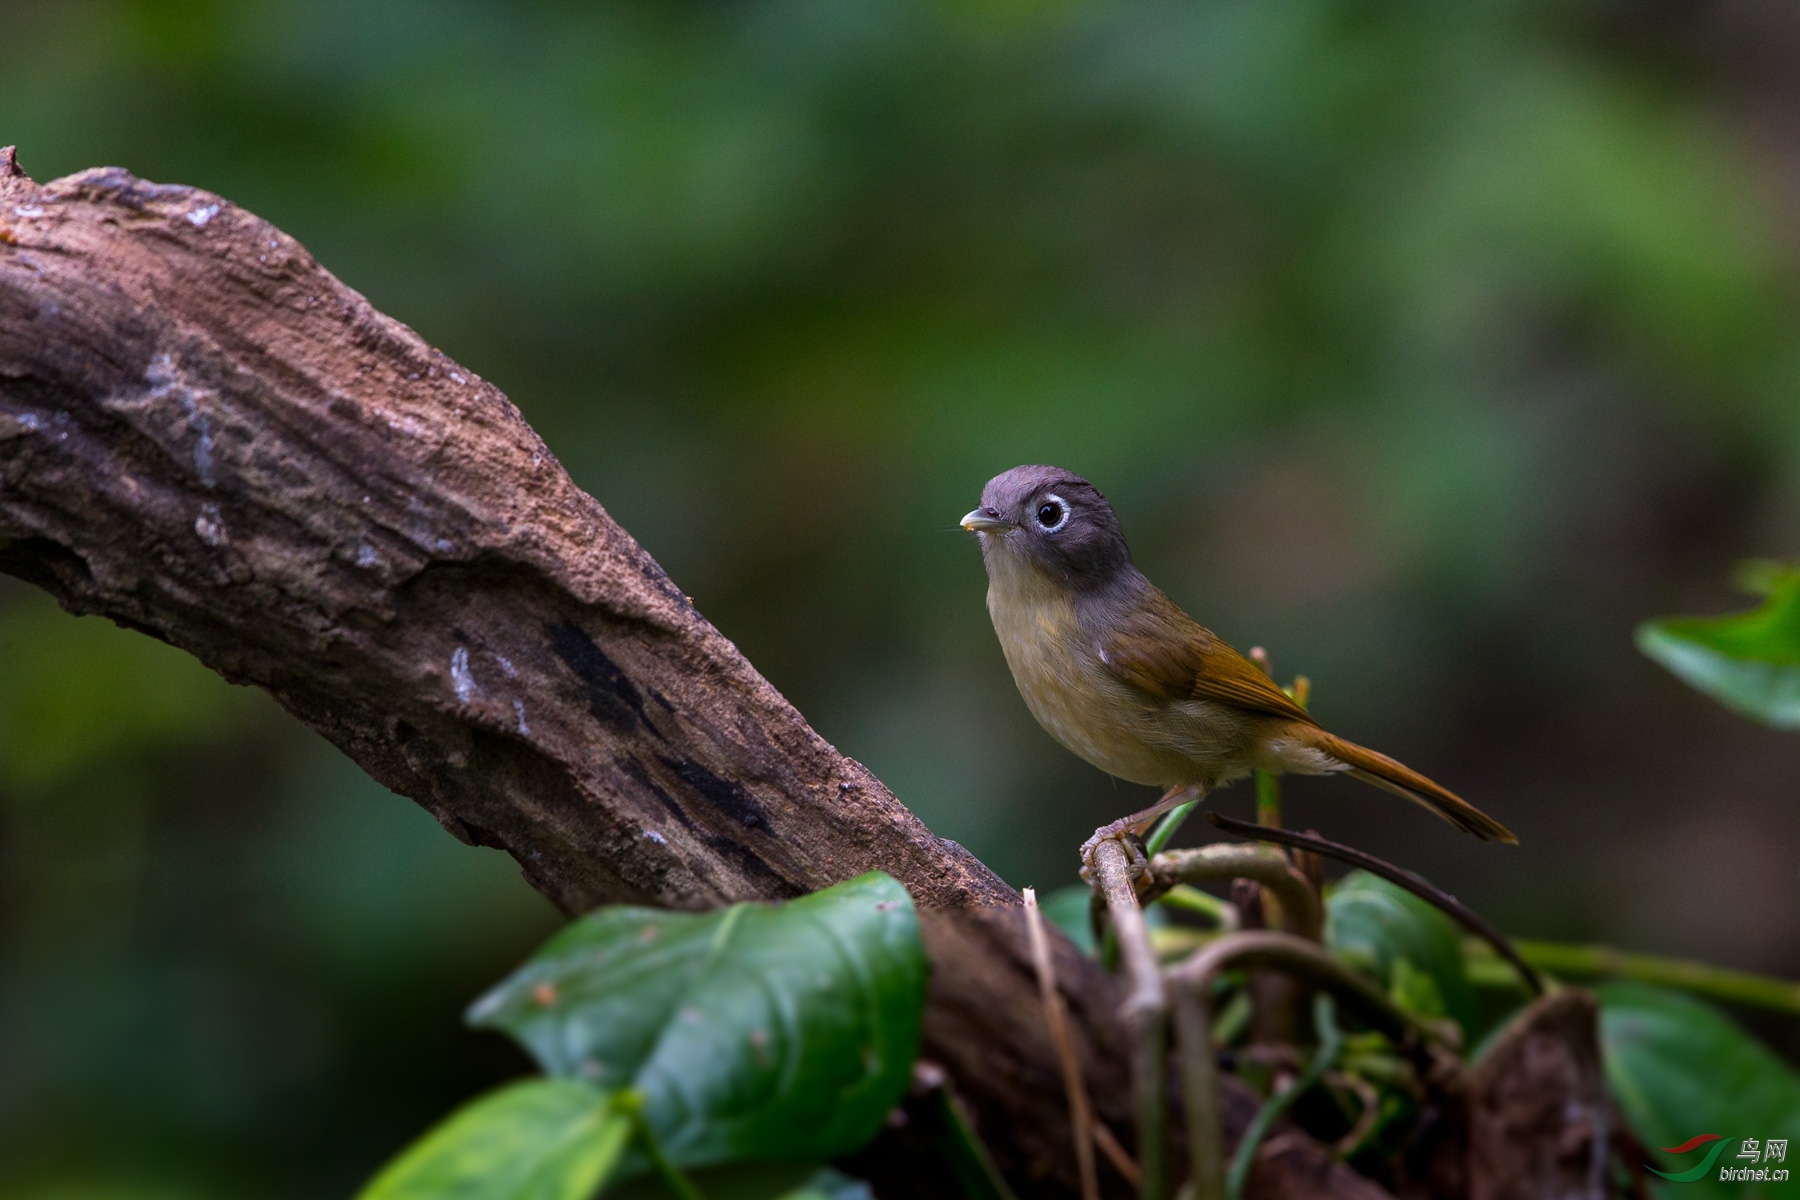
(206, 437)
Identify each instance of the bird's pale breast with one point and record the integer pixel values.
(1081, 703)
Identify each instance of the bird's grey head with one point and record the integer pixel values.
(1054, 520)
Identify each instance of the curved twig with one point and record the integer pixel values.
(1269, 867)
(1310, 961)
(1465, 916)
(1369, 1098)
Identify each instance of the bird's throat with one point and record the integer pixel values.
(1040, 634)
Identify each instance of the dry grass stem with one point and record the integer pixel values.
(1056, 1016)
(1116, 1154)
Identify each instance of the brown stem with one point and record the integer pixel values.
(1144, 1011)
(1117, 1155)
(1223, 861)
(1369, 1099)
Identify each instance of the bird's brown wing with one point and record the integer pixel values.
(1166, 654)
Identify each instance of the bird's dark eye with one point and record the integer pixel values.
(1052, 513)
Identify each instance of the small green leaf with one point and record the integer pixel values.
(1416, 991)
(1067, 909)
(1679, 1068)
(760, 1031)
(1411, 947)
(544, 1139)
(1748, 661)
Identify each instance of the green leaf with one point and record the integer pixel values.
(759, 1031)
(544, 1139)
(1679, 1068)
(1067, 909)
(1417, 991)
(1747, 661)
(1411, 947)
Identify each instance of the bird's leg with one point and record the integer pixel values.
(1128, 831)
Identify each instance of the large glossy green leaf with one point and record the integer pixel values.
(759, 1031)
(1414, 949)
(1749, 661)
(544, 1139)
(1679, 1069)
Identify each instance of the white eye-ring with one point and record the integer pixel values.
(1052, 513)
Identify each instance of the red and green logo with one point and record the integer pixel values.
(1755, 1151)
(1694, 1143)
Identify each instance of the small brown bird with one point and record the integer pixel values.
(1116, 672)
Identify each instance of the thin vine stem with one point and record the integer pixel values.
(1703, 979)
(1165, 828)
(1465, 916)
(672, 1176)
(1331, 1043)
(1189, 984)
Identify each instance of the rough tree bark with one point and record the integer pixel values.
(1541, 1125)
(206, 437)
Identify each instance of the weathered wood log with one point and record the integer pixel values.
(207, 437)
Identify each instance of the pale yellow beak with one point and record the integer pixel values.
(980, 522)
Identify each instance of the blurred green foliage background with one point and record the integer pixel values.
(1430, 346)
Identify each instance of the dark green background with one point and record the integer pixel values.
(1429, 345)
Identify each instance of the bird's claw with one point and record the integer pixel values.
(1136, 864)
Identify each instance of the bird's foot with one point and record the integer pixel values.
(1126, 834)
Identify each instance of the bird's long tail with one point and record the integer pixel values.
(1400, 779)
